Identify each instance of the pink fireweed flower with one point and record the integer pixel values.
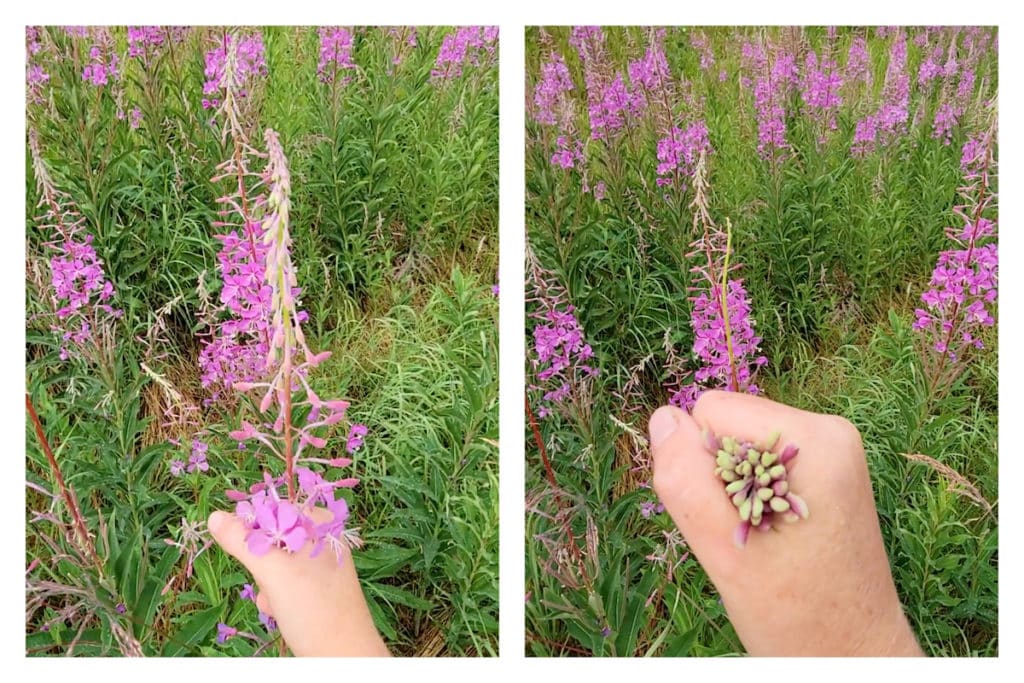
(550, 92)
(249, 65)
(719, 368)
(81, 293)
(287, 363)
(610, 106)
(889, 122)
(225, 632)
(335, 53)
(145, 42)
(470, 45)
(278, 524)
(197, 460)
(103, 62)
(177, 467)
(819, 89)
(678, 153)
(355, 437)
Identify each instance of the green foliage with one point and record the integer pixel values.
(395, 239)
(835, 252)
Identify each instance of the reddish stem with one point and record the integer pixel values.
(66, 493)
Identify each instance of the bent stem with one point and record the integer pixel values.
(66, 493)
(733, 377)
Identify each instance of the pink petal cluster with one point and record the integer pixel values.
(36, 76)
(889, 122)
(711, 348)
(549, 94)
(466, 45)
(145, 42)
(335, 53)
(819, 88)
(250, 65)
(561, 354)
(678, 153)
(103, 65)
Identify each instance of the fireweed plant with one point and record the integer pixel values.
(260, 265)
(804, 213)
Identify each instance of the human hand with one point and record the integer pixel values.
(317, 603)
(821, 586)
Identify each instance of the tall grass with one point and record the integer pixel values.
(836, 249)
(394, 221)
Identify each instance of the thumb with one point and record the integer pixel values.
(684, 479)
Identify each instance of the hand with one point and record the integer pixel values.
(318, 605)
(818, 587)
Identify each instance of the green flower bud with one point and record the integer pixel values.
(773, 438)
(729, 444)
(765, 494)
(765, 479)
(781, 487)
(727, 475)
(758, 470)
(768, 458)
(779, 504)
(753, 456)
(724, 461)
(744, 468)
(735, 486)
(757, 508)
(738, 498)
(745, 510)
(778, 471)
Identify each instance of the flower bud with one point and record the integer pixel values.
(778, 472)
(781, 487)
(735, 487)
(753, 456)
(778, 504)
(768, 459)
(728, 475)
(765, 494)
(745, 510)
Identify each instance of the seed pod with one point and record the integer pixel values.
(736, 487)
(727, 475)
(745, 510)
(781, 487)
(768, 459)
(779, 504)
(765, 494)
(778, 472)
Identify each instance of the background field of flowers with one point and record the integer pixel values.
(836, 187)
(391, 141)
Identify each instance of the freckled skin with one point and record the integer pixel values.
(821, 586)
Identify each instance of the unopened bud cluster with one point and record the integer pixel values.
(756, 482)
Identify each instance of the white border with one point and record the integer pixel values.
(511, 17)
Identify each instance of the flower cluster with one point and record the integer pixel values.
(776, 77)
(467, 44)
(756, 481)
(609, 107)
(250, 64)
(36, 76)
(961, 298)
(889, 122)
(568, 155)
(700, 43)
(81, 290)
(858, 63)
(549, 94)
(103, 64)
(335, 53)
(963, 287)
(727, 348)
(819, 89)
(678, 153)
(273, 520)
(145, 42)
(560, 353)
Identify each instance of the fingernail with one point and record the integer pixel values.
(663, 424)
(216, 521)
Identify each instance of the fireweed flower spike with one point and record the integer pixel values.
(274, 520)
(756, 481)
